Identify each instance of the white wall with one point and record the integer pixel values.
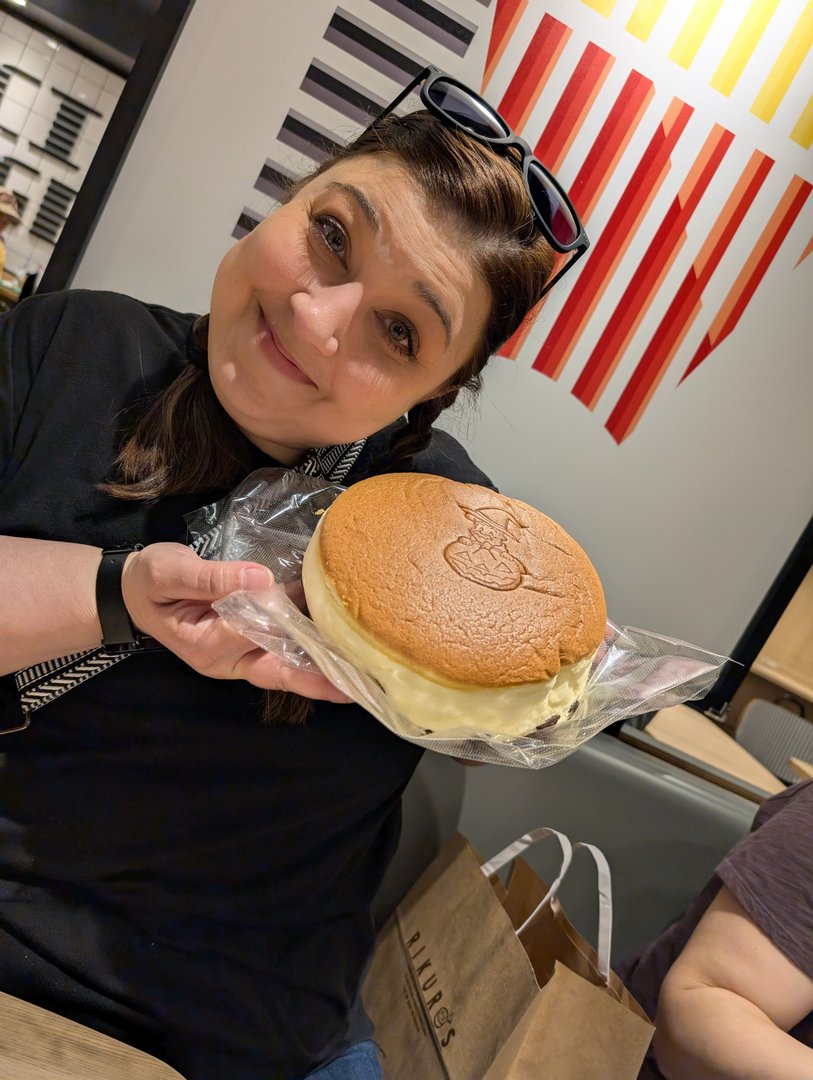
(689, 519)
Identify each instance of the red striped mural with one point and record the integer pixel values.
(533, 71)
(685, 306)
(650, 272)
(597, 175)
(611, 142)
(753, 271)
(614, 241)
(506, 17)
(574, 104)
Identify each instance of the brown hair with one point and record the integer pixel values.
(481, 196)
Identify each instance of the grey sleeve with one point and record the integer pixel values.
(770, 872)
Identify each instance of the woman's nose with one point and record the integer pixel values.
(323, 314)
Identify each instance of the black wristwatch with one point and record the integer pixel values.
(118, 632)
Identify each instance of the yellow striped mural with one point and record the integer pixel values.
(749, 24)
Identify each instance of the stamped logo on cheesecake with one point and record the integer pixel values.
(481, 554)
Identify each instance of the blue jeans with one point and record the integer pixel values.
(360, 1062)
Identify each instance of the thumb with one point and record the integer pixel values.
(215, 580)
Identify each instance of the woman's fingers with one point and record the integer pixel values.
(169, 590)
(165, 573)
(272, 673)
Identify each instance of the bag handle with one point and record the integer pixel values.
(605, 886)
(605, 909)
(510, 853)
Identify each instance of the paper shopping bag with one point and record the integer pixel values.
(583, 1023)
(449, 980)
(452, 990)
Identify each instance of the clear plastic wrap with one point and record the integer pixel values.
(270, 519)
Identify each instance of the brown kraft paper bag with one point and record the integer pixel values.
(456, 993)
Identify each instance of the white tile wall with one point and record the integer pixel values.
(59, 77)
(28, 110)
(22, 91)
(16, 30)
(94, 73)
(34, 61)
(114, 84)
(11, 51)
(13, 115)
(68, 58)
(39, 41)
(85, 91)
(36, 128)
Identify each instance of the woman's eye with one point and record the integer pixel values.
(401, 334)
(333, 235)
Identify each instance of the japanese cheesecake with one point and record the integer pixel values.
(472, 610)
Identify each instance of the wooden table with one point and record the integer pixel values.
(692, 733)
(39, 1045)
(9, 291)
(803, 769)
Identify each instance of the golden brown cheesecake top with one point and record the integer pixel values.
(456, 579)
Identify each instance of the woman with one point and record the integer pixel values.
(173, 870)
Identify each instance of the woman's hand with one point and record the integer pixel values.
(169, 590)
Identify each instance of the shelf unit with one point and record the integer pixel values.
(786, 658)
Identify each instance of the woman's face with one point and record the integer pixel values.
(341, 311)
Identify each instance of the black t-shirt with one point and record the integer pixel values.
(172, 871)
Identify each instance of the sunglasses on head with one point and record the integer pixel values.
(457, 105)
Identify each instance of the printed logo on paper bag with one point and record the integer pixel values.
(427, 983)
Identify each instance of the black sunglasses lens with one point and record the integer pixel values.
(551, 207)
(467, 110)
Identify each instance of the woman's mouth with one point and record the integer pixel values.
(280, 359)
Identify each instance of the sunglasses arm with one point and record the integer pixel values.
(393, 105)
(563, 270)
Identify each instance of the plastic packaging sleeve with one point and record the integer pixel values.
(270, 518)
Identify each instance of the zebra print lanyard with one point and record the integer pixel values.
(43, 683)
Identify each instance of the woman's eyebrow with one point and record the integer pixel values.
(432, 300)
(374, 221)
(364, 204)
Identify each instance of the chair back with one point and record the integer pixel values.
(773, 735)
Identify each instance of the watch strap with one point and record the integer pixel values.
(117, 628)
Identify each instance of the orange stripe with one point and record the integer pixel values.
(590, 390)
(533, 71)
(761, 246)
(611, 143)
(756, 265)
(506, 17)
(671, 331)
(600, 265)
(756, 163)
(574, 104)
(648, 276)
(806, 251)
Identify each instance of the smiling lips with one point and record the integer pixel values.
(279, 357)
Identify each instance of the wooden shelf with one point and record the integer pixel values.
(786, 658)
(687, 730)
